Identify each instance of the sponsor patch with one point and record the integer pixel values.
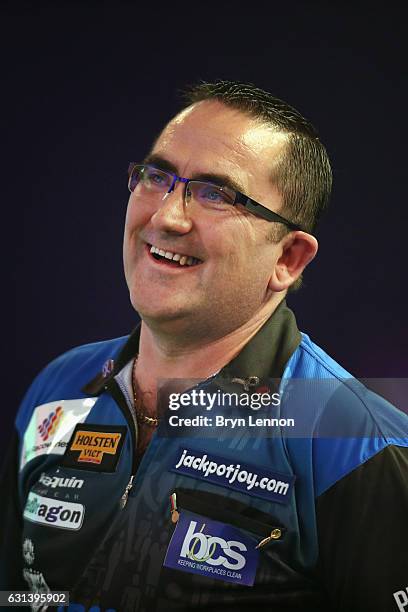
(401, 599)
(60, 482)
(250, 479)
(51, 426)
(95, 447)
(53, 513)
(200, 545)
(50, 423)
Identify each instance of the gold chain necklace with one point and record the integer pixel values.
(141, 417)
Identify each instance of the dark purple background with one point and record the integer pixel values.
(92, 83)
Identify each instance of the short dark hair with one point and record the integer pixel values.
(302, 174)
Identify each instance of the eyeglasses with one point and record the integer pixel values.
(149, 182)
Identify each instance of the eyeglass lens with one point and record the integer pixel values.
(147, 180)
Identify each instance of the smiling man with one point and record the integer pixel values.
(140, 478)
(235, 260)
(227, 273)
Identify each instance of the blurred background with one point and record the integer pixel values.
(92, 83)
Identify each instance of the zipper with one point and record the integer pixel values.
(129, 401)
(119, 393)
(116, 392)
(275, 534)
(269, 533)
(124, 498)
(175, 515)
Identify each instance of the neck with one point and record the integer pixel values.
(169, 357)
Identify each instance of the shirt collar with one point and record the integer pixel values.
(263, 357)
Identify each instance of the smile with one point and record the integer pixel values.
(172, 258)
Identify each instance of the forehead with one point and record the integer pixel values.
(211, 137)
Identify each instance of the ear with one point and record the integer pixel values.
(297, 250)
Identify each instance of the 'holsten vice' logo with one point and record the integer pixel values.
(96, 447)
(93, 444)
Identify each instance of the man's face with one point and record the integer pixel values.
(230, 284)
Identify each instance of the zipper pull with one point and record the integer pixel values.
(124, 498)
(175, 515)
(275, 535)
(252, 381)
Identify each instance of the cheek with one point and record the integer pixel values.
(247, 264)
(240, 243)
(133, 213)
(134, 221)
(137, 215)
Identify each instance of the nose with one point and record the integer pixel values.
(172, 215)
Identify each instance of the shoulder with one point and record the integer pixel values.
(349, 423)
(85, 357)
(82, 361)
(65, 376)
(309, 360)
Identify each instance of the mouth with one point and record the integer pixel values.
(171, 258)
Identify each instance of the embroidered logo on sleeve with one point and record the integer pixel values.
(51, 425)
(244, 477)
(200, 545)
(53, 513)
(95, 447)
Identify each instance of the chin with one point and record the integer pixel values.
(159, 313)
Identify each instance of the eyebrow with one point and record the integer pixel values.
(223, 180)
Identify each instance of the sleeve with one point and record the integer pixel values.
(10, 523)
(362, 524)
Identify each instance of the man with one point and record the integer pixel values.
(146, 480)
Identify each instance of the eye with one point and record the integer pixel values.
(211, 195)
(214, 195)
(154, 178)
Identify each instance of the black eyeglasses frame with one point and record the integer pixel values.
(249, 204)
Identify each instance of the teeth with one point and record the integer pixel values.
(182, 259)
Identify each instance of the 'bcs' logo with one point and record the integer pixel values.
(212, 549)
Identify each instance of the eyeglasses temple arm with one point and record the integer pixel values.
(265, 213)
